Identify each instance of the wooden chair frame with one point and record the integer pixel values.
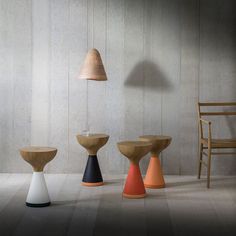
(209, 143)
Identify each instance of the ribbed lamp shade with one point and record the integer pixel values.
(93, 68)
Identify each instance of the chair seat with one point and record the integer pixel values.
(220, 143)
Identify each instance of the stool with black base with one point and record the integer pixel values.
(92, 143)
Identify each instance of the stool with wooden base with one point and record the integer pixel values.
(38, 157)
(134, 151)
(154, 176)
(92, 143)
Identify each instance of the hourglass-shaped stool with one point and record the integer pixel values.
(134, 151)
(38, 157)
(154, 176)
(92, 143)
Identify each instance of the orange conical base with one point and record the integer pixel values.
(134, 187)
(154, 177)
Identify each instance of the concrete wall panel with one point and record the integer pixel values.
(161, 57)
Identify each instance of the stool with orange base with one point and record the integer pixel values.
(134, 151)
(154, 176)
(92, 143)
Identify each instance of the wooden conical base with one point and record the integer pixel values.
(154, 176)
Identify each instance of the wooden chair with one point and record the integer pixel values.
(208, 143)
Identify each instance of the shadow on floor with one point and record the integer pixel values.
(113, 182)
(197, 181)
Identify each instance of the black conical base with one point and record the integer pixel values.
(92, 173)
(38, 204)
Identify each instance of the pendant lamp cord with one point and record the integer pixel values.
(87, 108)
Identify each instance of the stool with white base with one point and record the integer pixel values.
(38, 157)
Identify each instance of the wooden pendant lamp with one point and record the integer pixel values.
(92, 68)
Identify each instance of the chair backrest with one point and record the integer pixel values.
(214, 113)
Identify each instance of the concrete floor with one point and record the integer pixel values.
(184, 207)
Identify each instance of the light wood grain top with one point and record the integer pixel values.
(155, 137)
(92, 142)
(134, 150)
(134, 143)
(38, 149)
(38, 157)
(159, 142)
(93, 136)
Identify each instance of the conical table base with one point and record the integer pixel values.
(92, 174)
(134, 187)
(38, 192)
(154, 176)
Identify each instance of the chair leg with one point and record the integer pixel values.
(200, 161)
(209, 168)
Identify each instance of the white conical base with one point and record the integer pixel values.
(38, 192)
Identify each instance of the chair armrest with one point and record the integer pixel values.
(205, 121)
(209, 129)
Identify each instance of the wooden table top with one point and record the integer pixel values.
(134, 143)
(93, 136)
(134, 150)
(159, 142)
(37, 156)
(155, 137)
(37, 149)
(92, 142)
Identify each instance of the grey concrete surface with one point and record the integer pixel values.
(184, 207)
(161, 57)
